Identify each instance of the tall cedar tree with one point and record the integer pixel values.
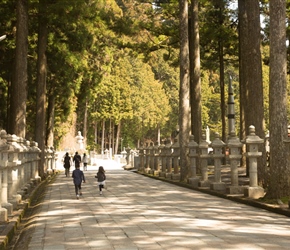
(279, 168)
(18, 96)
(251, 85)
(195, 83)
(40, 129)
(184, 89)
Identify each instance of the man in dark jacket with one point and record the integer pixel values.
(78, 176)
(77, 160)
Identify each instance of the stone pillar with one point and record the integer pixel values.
(36, 160)
(168, 159)
(192, 149)
(4, 175)
(253, 141)
(175, 158)
(203, 155)
(156, 159)
(141, 156)
(147, 164)
(13, 167)
(3, 211)
(217, 146)
(128, 156)
(151, 158)
(162, 157)
(49, 159)
(235, 156)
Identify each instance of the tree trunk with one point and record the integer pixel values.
(40, 127)
(243, 75)
(17, 121)
(279, 167)
(254, 114)
(85, 128)
(184, 90)
(195, 85)
(118, 137)
(50, 120)
(103, 137)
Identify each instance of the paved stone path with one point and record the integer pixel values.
(137, 212)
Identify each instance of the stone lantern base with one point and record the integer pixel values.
(254, 192)
(218, 186)
(235, 190)
(175, 176)
(3, 215)
(205, 183)
(193, 181)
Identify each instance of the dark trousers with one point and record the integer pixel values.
(78, 188)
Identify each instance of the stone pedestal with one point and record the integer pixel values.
(218, 186)
(3, 215)
(8, 207)
(254, 192)
(235, 190)
(175, 176)
(156, 172)
(205, 183)
(168, 175)
(162, 174)
(193, 181)
(17, 198)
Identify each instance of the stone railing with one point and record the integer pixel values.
(168, 166)
(19, 160)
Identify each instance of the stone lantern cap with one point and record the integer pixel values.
(192, 143)
(203, 143)
(234, 141)
(217, 142)
(175, 144)
(252, 138)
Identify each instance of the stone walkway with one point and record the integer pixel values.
(137, 212)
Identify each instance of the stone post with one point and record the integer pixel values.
(36, 160)
(128, 155)
(253, 141)
(192, 148)
(168, 159)
(141, 156)
(13, 168)
(217, 146)
(162, 157)
(156, 159)
(4, 173)
(235, 156)
(175, 158)
(147, 164)
(151, 158)
(203, 154)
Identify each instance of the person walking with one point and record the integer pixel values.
(78, 177)
(77, 160)
(101, 178)
(85, 161)
(67, 163)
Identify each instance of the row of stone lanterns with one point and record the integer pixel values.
(19, 159)
(163, 160)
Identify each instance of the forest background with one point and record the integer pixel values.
(111, 69)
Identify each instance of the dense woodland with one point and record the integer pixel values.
(138, 71)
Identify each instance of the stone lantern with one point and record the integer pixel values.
(192, 147)
(235, 146)
(253, 141)
(203, 154)
(218, 155)
(175, 157)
